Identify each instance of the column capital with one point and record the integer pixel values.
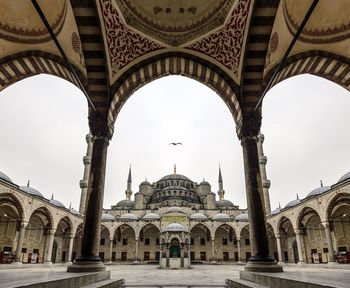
(326, 224)
(251, 124)
(278, 236)
(111, 238)
(238, 238)
(51, 231)
(98, 122)
(71, 236)
(22, 224)
(298, 231)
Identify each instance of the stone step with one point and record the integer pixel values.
(173, 286)
(61, 279)
(110, 283)
(240, 283)
(284, 279)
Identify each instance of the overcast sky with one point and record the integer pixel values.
(44, 123)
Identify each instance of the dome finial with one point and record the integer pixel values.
(174, 169)
(279, 205)
(70, 205)
(297, 196)
(52, 196)
(28, 183)
(321, 183)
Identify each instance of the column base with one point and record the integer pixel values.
(136, 262)
(213, 262)
(17, 263)
(301, 263)
(48, 263)
(92, 264)
(263, 266)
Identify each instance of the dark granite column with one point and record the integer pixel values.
(89, 259)
(260, 259)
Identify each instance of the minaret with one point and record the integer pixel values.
(84, 182)
(221, 191)
(128, 191)
(265, 182)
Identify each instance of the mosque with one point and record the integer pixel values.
(174, 222)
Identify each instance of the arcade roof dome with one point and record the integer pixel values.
(31, 191)
(107, 217)
(242, 217)
(276, 211)
(221, 217)
(73, 211)
(151, 216)
(346, 176)
(57, 203)
(174, 227)
(318, 191)
(129, 217)
(292, 203)
(5, 177)
(198, 216)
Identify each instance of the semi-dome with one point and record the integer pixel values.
(221, 217)
(292, 203)
(151, 216)
(129, 217)
(242, 217)
(107, 217)
(125, 203)
(57, 203)
(198, 216)
(318, 191)
(224, 203)
(174, 227)
(3, 176)
(175, 209)
(346, 176)
(31, 191)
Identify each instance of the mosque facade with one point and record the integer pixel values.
(175, 222)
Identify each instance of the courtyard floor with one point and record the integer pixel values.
(149, 275)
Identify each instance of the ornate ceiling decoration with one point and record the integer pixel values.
(17, 26)
(225, 45)
(175, 22)
(328, 23)
(124, 45)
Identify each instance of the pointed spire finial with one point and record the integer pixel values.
(174, 169)
(279, 205)
(70, 205)
(220, 176)
(52, 196)
(297, 196)
(321, 183)
(28, 183)
(129, 176)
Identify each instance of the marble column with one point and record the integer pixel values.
(89, 260)
(22, 231)
(260, 259)
(182, 256)
(239, 249)
(160, 256)
(279, 247)
(330, 246)
(298, 235)
(70, 248)
(189, 256)
(50, 239)
(136, 258)
(110, 249)
(167, 256)
(213, 260)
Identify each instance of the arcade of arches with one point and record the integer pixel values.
(113, 47)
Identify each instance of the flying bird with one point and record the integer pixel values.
(173, 143)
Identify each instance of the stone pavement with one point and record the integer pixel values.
(150, 276)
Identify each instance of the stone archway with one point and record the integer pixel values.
(149, 244)
(201, 242)
(288, 241)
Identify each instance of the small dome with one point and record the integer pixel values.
(221, 217)
(242, 217)
(57, 203)
(125, 203)
(145, 183)
(198, 216)
(292, 203)
(73, 211)
(276, 211)
(318, 191)
(151, 216)
(204, 183)
(175, 209)
(107, 217)
(174, 227)
(224, 203)
(3, 176)
(31, 191)
(129, 217)
(346, 176)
